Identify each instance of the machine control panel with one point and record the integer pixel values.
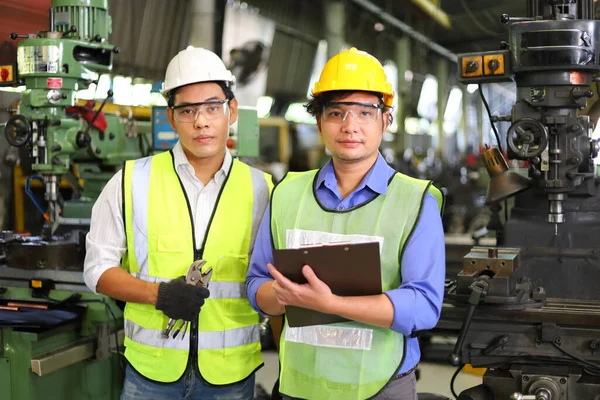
(163, 135)
(484, 67)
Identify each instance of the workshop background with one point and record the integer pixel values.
(508, 131)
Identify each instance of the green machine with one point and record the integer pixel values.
(54, 65)
(57, 339)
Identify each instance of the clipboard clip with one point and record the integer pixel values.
(305, 246)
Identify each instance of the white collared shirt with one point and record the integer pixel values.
(106, 242)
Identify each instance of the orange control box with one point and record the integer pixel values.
(493, 64)
(471, 66)
(484, 67)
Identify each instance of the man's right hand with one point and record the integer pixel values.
(178, 300)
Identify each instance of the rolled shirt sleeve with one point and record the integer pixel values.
(258, 273)
(106, 242)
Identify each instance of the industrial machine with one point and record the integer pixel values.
(58, 340)
(528, 309)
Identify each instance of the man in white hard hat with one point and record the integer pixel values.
(159, 215)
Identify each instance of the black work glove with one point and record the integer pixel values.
(178, 300)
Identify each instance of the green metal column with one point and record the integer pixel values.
(442, 77)
(335, 20)
(403, 58)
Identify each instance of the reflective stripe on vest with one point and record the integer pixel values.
(347, 360)
(206, 340)
(161, 247)
(218, 290)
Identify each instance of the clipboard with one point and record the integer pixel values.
(348, 269)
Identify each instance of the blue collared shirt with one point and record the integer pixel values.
(418, 300)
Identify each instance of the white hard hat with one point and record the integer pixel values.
(193, 65)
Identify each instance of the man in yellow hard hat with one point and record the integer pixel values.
(355, 197)
(161, 214)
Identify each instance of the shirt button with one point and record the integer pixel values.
(340, 207)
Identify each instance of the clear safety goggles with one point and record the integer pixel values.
(209, 109)
(363, 113)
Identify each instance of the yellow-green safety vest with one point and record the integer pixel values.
(349, 360)
(161, 247)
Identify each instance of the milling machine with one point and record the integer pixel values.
(529, 309)
(57, 339)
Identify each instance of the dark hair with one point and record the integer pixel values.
(316, 104)
(223, 85)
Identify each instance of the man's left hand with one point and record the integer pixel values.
(315, 294)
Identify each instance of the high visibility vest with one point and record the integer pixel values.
(161, 247)
(349, 360)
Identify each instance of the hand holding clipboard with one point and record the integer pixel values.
(348, 270)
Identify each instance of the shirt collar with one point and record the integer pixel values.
(181, 161)
(377, 178)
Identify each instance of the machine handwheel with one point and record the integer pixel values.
(527, 138)
(17, 131)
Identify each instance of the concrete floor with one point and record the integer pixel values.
(434, 378)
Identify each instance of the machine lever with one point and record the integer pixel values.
(15, 36)
(519, 396)
(479, 290)
(540, 394)
(109, 94)
(505, 19)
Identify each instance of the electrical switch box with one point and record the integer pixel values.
(484, 67)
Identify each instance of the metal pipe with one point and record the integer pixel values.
(435, 12)
(378, 11)
(295, 33)
(51, 27)
(532, 8)
(588, 9)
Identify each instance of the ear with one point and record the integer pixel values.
(318, 118)
(233, 109)
(386, 121)
(171, 118)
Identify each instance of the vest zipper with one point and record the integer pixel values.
(193, 352)
(193, 355)
(198, 254)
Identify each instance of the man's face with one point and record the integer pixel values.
(353, 139)
(206, 136)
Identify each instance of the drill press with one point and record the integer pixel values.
(529, 310)
(53, 65)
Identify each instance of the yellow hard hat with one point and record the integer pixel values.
(354, 70)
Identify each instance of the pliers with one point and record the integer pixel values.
(195, 277)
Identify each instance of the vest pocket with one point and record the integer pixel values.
(240, 310)
(143, 328)
(172, 242)
(231, 269)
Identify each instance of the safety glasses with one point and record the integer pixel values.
(209, 109)
(363, 113)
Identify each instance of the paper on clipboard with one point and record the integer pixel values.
(296, 238)
(348, 269)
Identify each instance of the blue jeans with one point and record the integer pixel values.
(189, 387)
